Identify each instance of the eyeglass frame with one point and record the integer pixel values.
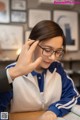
(53, 51)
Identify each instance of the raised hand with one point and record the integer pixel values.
(25, 63)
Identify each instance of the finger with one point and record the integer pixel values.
(37, 62)
(29, 42)
(33, 46)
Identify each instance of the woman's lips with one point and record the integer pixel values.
(47, 62)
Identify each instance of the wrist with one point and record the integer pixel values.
(13, 72)
(54, 116)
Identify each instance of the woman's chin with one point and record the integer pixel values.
(45, 66)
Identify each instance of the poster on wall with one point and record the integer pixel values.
(37, 15)
(11, 37)
(18, 16)
(68, 21)
(18, 4)
(4, 11)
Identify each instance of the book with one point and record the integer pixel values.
(76, 110)
(59, 118)
(71, 116)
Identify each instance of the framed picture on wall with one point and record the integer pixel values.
(18, 16)
(18, 4)
(69, 23)
(4, 11)
(11, 37)
(36, 15)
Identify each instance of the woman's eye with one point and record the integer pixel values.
(47, 50)
(59, 52)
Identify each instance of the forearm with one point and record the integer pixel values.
(63, 106)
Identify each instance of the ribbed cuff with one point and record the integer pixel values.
(8, 76)
(54, 109)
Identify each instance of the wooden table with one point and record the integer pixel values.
(25, 115)
(28, 116)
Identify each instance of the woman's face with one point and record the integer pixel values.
(55, 43)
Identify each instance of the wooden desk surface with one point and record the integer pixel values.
(29, 116)
(25, 115)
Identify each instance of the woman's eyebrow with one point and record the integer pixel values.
(47, 46)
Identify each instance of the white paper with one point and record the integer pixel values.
(60, 118)
(76, 109)
(71, 116)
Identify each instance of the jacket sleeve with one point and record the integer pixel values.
(69, 96)
(4, 84)
(5, 98)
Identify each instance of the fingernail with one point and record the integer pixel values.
(37, 41)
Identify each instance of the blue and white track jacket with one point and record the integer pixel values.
(52, 90)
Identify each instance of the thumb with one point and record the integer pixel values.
(37, 62)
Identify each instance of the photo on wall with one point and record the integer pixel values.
(11, 37)
(37, 15)
(68, 21)
(18, 4)
(4, 11)
(18, 16)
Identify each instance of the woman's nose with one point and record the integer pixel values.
(52, 57)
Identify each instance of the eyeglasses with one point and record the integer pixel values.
(48, 51)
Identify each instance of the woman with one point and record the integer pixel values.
(47, 87)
